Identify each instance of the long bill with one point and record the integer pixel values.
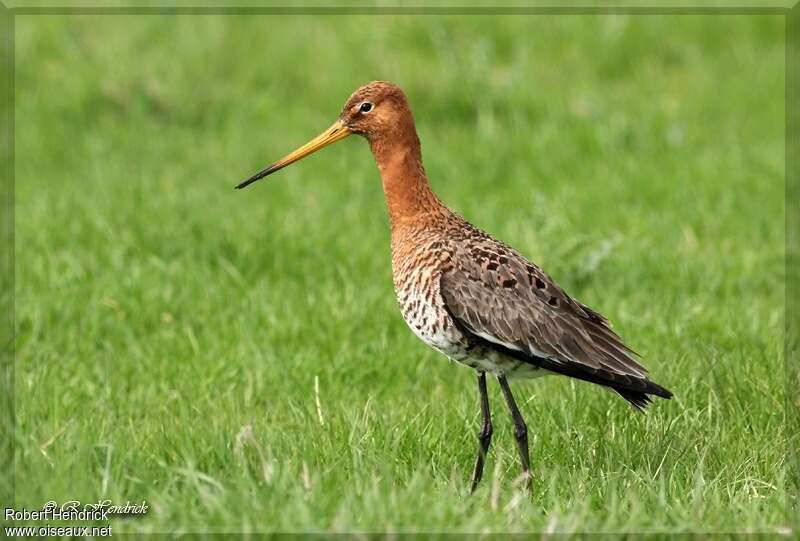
(335, 133)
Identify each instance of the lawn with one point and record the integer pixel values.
(236, 358)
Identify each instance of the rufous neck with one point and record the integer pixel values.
(405, 186)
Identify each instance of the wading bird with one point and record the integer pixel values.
(467, 295)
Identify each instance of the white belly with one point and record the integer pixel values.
(426, 316)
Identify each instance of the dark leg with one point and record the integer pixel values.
(485, 435)
(520, 430)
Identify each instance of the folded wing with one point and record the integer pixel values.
(499, 297)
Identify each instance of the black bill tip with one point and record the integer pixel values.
(257, 176)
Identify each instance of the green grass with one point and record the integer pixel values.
(170, 330)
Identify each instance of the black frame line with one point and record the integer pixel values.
(792, 180)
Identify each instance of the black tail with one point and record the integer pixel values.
(636, 390)
(639, 400)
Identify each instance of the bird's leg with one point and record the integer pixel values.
(520, 429)
(485, 435)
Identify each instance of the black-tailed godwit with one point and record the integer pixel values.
(467, 295)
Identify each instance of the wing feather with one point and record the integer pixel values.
(499, 296)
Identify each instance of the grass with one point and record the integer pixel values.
(172, 333)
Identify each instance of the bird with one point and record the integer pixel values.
(467, 295)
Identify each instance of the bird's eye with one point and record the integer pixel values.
(366, 107)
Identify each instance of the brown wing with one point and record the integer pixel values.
(498, 296)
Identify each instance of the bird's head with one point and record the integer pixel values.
(376, 111)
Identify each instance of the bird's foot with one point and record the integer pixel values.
(525, 481)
